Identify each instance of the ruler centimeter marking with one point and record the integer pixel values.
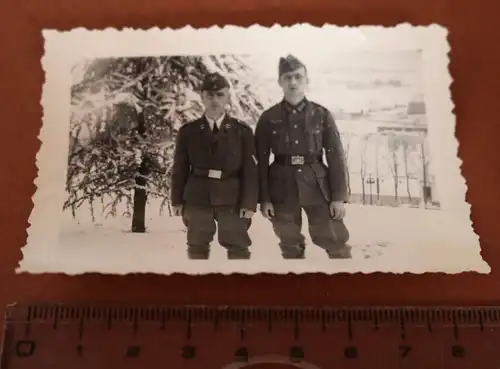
(238, 335)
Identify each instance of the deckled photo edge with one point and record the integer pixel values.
(450, 162)
(38, 258)
(36, 230)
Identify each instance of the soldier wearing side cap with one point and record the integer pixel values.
(300, 133)
(214, 176)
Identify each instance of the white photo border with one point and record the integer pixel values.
(65, 48)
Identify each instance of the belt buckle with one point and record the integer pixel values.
(215, 174)
(297, 160)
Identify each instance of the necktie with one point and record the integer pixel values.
(215, 129)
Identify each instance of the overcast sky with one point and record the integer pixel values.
(267, 64)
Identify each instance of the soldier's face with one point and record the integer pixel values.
(216, 101)
(294, 83)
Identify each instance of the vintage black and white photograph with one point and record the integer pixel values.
(247, 150)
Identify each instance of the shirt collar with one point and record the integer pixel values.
(218, 121)
(293, 108)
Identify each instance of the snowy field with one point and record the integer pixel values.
(404, 240)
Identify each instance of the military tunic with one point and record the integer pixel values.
(301, 138)
(213, 177)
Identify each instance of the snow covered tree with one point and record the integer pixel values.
(125, 116)
(394, 165)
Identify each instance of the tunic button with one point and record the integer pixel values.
(296, 141)
(295, 126)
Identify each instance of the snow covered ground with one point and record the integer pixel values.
(383, 239)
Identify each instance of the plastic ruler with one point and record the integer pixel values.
(56, 336)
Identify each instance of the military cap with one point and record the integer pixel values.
(289, 64)
(214, 82)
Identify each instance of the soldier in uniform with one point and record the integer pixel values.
(215, 177)
(300, 133)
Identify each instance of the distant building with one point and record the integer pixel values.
(416, 108)
(417, 128)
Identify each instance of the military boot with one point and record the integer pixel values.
(343, 252)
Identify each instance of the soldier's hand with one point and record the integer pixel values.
(247, 214)
(337, 210)
(267, 210)
(178, 210)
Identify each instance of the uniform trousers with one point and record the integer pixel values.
(328, 233)
(202, 222)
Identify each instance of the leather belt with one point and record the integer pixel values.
(297, 159)
(214, 173)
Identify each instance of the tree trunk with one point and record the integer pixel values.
(363, 190)
(346, 159)
(140, 194)
(407, 174)
(362, 171)
(396, 176)
(140, 199)
(424, 175)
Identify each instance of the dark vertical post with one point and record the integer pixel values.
(140, 195)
